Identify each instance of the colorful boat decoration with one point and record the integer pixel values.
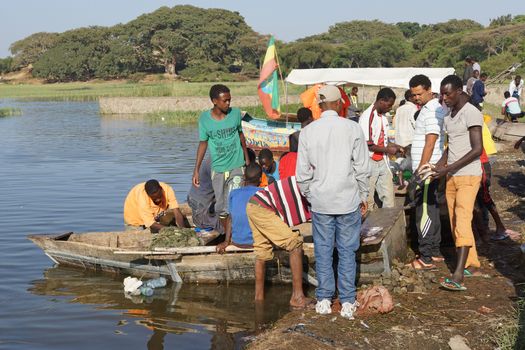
(272, 134)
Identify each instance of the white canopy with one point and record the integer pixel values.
(391, 77)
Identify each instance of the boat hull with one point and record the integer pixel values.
(237, 267)
(129, 253)
(270, 134)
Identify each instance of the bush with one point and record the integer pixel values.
(497, 63)
(6, 65)
(136, 77)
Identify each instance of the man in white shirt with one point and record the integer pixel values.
(332, 173)
(511, 107)
(405, 122)
(475, 65)
(375, 128)
(427, 147)
(515, 87)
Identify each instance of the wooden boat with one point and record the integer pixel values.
(128, 252)
(507, 131)
(272, 134)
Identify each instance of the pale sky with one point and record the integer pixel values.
(286, 19)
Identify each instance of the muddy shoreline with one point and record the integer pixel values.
(429, 319)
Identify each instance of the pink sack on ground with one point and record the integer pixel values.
(374, 300)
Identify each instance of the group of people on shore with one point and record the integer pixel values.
(336, 170)
(474, 85)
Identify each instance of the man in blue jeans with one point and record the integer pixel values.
(333, 174)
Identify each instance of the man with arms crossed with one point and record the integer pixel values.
(461, 165)
(427, 147)
(332, 173)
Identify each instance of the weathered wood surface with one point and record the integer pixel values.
(129, 252)
(507, 131)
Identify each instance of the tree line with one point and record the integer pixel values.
(214, 44)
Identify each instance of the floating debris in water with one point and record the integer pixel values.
(175, 237)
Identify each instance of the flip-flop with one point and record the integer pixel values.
(451, 285)
(499, 237)
(419, 265)
(512, 234)
(468, 273)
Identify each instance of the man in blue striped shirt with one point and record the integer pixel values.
(427, 147)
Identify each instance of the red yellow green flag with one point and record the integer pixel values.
(268, 88)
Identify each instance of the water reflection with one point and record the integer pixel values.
(221, 316)
(66, 168)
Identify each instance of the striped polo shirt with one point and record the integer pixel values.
(429, 121)
(285, 200)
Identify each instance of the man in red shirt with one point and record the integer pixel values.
(288, 162)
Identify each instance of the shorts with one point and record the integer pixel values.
(223, 184)
(269, 230)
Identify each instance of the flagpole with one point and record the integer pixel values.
(282, 83)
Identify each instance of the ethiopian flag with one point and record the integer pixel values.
(268, 88)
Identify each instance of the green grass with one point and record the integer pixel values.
(191, 117)
(509, 334)
(90, 91)
(8, 112)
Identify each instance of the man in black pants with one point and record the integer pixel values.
(427, 147)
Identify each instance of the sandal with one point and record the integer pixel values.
(418, 264)
(499, 236)
(451, 285)
(438, 259)
(468, 273)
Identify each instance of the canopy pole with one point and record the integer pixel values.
(362, 94)
(286, 101)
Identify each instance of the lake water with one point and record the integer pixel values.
(63, 167)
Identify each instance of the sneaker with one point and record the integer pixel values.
(323, 307)
(348, 310)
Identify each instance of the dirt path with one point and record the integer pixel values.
(428, 320)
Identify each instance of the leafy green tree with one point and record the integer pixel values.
(500, 21)
(409, 29)
(437, 31)
(31, 48)
(6, 65)
(305, 55)
(346, 32)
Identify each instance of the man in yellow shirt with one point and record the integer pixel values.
(150, 203)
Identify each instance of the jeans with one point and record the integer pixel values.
(342, 232)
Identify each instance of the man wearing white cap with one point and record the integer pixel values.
(332, 173)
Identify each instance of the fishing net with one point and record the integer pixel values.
(169, 237)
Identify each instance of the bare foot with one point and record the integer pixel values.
(300, 302)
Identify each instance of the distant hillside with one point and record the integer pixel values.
(214, 44)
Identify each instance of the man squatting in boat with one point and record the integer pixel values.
(152, 205)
